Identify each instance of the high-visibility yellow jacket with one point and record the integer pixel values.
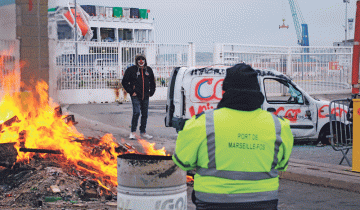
(237, 154)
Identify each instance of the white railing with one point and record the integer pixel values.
(95, 76)
(318, 70)
(99, 66)
(102, 65)
(9, 66)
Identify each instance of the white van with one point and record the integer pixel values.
(194, 90)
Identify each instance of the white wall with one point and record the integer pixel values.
(8, 21)
(56, 3)
(85, 96)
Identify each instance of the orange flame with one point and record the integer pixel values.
(103, 185)
(189, 178)
(150, 150)
(39, 127)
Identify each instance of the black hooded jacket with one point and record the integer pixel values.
(142, 82)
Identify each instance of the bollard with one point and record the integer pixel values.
(150, 182)
(356, 136)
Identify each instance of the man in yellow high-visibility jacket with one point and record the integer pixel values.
(237, 149)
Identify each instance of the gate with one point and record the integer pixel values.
(318, 70)
(91, 72)
(341, 127)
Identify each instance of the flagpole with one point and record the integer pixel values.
(76, 44)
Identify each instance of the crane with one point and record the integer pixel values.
(283, 25)
(300, 25)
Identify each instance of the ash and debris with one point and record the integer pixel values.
(43, 184)
(168, 172)
(162, 173)
(143, 162)
(139, 159)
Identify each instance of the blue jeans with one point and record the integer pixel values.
(139, 106)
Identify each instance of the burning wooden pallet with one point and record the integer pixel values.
(15, 182)
(8, 154)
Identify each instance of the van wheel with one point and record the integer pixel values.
(325, 131)
(342, 133)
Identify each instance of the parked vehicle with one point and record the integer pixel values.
(194, 90)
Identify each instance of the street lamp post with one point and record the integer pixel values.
(346, 20)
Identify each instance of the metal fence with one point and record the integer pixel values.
(9, 66)
(317, 70)
(93, 65)
(341, 127)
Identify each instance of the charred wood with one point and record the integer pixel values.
(58, 111)
(123, 148)
(70, 120)
(22, 138)
(88, 142)
(9, 122)
(10, 178)
(8, 154)
(40, 151)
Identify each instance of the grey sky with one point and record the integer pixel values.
(241, 21)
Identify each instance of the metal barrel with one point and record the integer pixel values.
(150, 182)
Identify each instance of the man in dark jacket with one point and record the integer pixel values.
(139, 82)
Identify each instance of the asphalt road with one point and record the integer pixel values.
(98, 119)
(119, 116)
(295, 195)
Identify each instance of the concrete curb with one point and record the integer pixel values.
(322, 174)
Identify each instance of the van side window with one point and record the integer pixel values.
(279, 91)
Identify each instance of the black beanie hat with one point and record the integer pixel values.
(241, 77)
(242, 89)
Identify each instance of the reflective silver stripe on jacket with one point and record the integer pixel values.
(233, 198)
(181, 163)
(278, 140)
(210, 134)
(236, 175)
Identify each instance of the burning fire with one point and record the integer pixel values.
(150, 150)
(29, 119)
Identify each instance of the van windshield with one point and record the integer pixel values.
(282, 92)
(295, 94)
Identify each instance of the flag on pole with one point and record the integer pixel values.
(30, 5)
